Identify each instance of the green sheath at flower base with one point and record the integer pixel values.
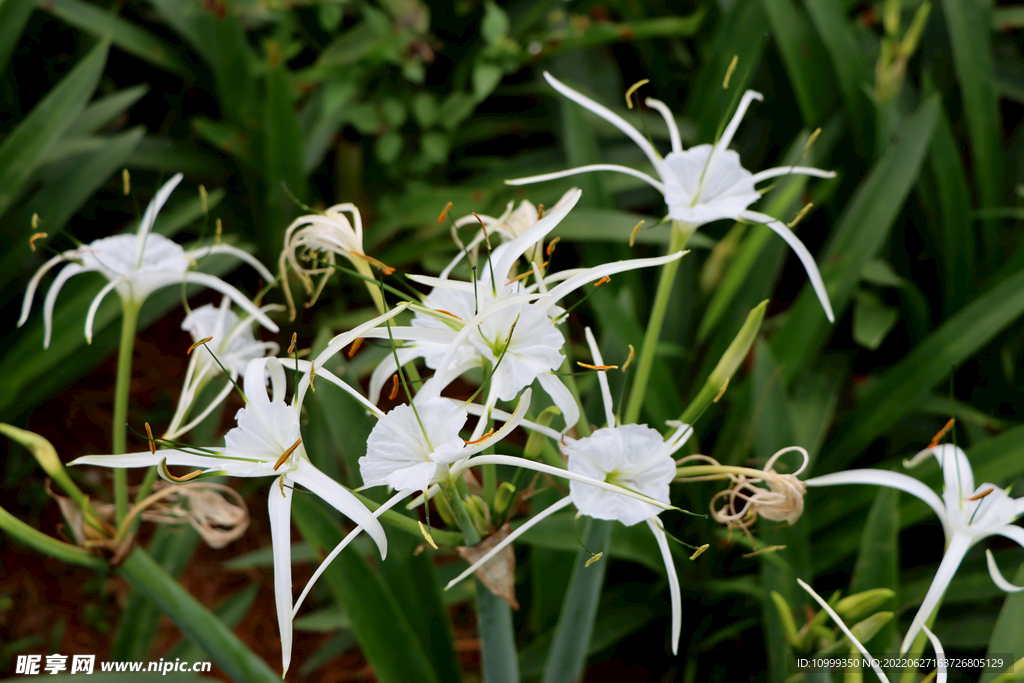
(727, 366)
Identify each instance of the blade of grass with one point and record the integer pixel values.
(14, 15)
(805, 58)
(1008, 634)
(231, 611)
(878, 561)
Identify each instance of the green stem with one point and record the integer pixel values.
(129, 323)
(494, 616)
(680, 236)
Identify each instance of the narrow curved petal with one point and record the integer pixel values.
(798, 247)
(240, 299)
(147, 459)
(608, 115)
(387, 367)
(175, 431)
(734, 123)
(232, 250)
(997, 576)
(561, 397)
(791, 170)
(30, 291)
(677, 438)
(280, 507)
(656, 184)
(349, 537)
(514, 421)
(342, 499)
(535, 233)
(670, 121)
(955, 552)
(555, 471)
(673, 580)
(596, 273)
(602, 378)
(505, 542)
(894, 480)
(940, 655)
(478, 410)
(255, 384)
(442, 283)
(66, 273)
(303, 366)
(414, 334)
(149, 217)
(846, 631)
(95, 306)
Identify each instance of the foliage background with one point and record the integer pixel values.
(403, 105)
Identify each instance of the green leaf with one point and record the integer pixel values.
(65, 552)
(805, 59)
(197, 622)
(861, 231)
(101, 677)
(231, 611)
(494, 25)
(377, 620)
(872, 319)
(23, 149)
(104, 110)
(123, 33)
(388, 147)
(282, 159)
(878, 561)
(575, 625)
(14, 15)
(968, 25)
(912, 380)
(497, 636)
(851, 64)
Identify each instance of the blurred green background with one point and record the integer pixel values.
(401, 106)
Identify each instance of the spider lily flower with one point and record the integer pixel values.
(136, 266)
(619, 472)
(472, 324)
(702, 184)
(234, 345)
(266, 443)
(968, 514)
(332, 234)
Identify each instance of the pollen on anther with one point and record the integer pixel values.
(721, 392)
(699, 551)
(633, 88)
(810, 141)
(597, 367)
(629, 358)
(485, 436)
(729, 72)
(540, 211)
(33, 238)
(394, 388)
(152, 445)
(979, 496)
(218, 231)
(636, 229)
(35, 221)
(198, 344)
(354, 347)
(126, 182)
(942, 432)
(287, 454)
(444, 212)
(551, 246)
(291, 347)
(441, 310)
(602, 281)
(800, 216)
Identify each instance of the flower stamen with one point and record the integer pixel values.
(636, 229)
(354, 346)
(633, 88)
(942, 432)
(597, 367)
(444, 212)
(36, 236)
(287, 454)
(729, 71)
(197, 345)
(476, 441)
(394, 388)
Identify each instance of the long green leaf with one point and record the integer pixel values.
(377, 620)
(232, 611)
(911, 380)
(26, 145)
(968, 25)
(805, 58)
(1008, 634)
(571, 641)
(48, 545)
(282, 162)
(105, 110)
(197, 622)
(123, 33)
(14, 15)
(860, 233)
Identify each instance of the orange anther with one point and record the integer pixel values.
(475, 441)
(152, 446)
(287, 454)
(33, 238)
(597, 367)
(355, 346)
(942, 432)
(602, 281)
(197, 344)
(551, 246)
(291, 347)
(444, 212)
(394, 388)
(540, 211)
(979, 496)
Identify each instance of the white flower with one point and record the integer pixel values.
(136, 266)
(267, 443)
(617, 473)
(968, 515)
(940, 654)
(329, 234)
(234, 345)
(465, 324)
(702, 184)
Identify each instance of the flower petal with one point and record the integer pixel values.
(535, 233)
(846, 631)
(791, 170)
(670, 121)
(280, 507)
(561, 397)
(66, 273)
(940, 655)
(240, 254)
(597, 272)
(303, 366)
(30, 291)
(673, 580)
(94, 306)
(240, 299)
(340, 498)
(800, 250)
(514, 421)
(656, 184)
(149, 217)
(606, 114)
(955, 551)
(602, 378)
(894, 480)
(734, 123)
(997, 576)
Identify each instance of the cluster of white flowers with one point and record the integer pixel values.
(505, 323)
